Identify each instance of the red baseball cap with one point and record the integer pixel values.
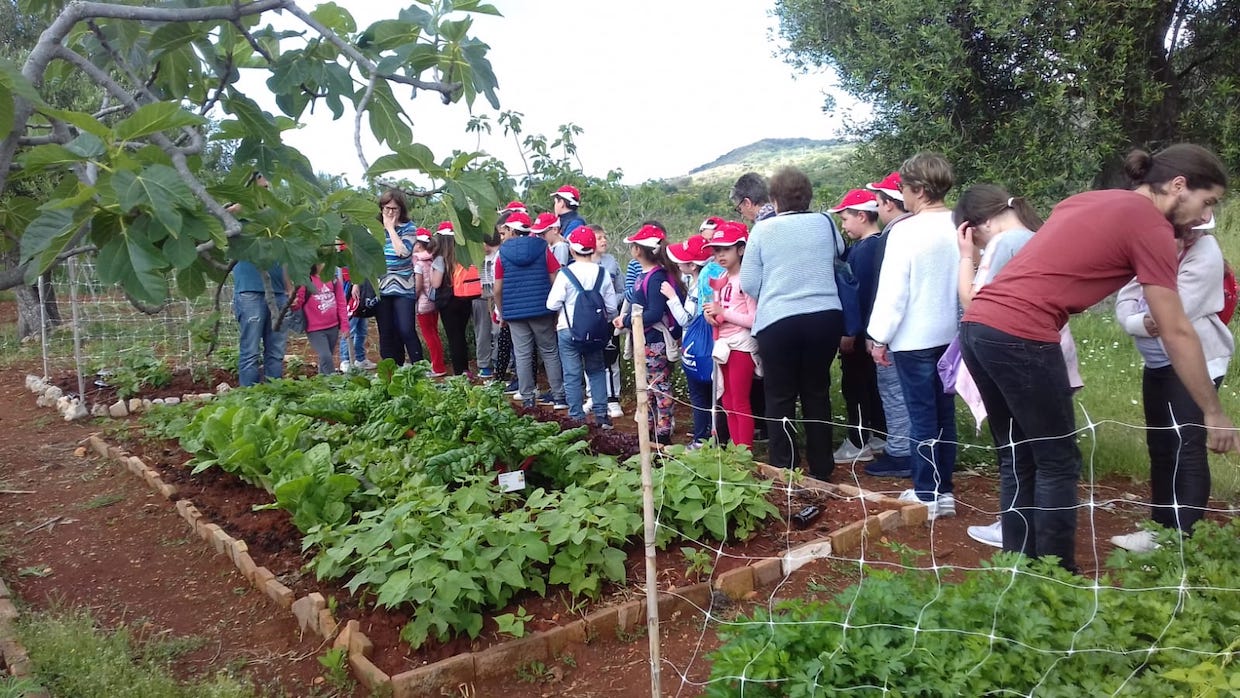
(422, 235)
(890, 185)
(569, 193)
(729, 233)
(710, 223)
(858, 200)
(544, 222)
(691, 251)
(513, 206)
(582, 240)
(445, 228)
(518, 221)
(648, 236)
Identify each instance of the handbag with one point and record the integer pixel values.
(295, 319)
(367, 303)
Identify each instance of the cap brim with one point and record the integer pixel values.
(1208, 225)
(651, 243)
(893, 193)
(580, 249)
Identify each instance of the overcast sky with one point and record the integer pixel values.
(659, 86)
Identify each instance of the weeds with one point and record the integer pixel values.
(104, 500)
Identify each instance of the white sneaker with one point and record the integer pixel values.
(943, 507)
(369, 365)
(1139, 542)
(344, 366)
(991, 535)
(518, 397)
(587, 405)
(847, 453)
(946, 506)
(877, 445)
(614, 410)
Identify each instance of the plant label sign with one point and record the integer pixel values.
(511, 482)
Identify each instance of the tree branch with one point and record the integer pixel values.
(357, 120)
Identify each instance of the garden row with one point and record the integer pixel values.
(392, 480)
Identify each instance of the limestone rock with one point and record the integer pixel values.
(222, 388)
(118, 409)
(99, 410)
(172, 401)
(76, 411)
(135, 404)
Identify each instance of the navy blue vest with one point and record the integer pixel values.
(527, 282)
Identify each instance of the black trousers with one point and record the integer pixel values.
(859, 384)
(456, 318)
(1179, 466)
(398, 331)
(796, 358)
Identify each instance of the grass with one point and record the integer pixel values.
(104, 500)
(73, 657)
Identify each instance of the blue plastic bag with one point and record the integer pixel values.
(696, 346)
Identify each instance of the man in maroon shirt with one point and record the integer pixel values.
(1092, 244)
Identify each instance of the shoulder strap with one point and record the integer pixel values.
(572, 279)
(598, 278)
(840, 245)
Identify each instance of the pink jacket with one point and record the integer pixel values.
(739, 308)
(327, 307)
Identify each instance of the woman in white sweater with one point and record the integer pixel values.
(1179, 468)
(915, 316)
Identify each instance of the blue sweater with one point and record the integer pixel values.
(246, 279)
(647, 293)
(570, 220)
(527, 282)
(862, 257)
(789, 267)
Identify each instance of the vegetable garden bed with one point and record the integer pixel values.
(274, 424)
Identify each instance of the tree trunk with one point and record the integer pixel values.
(28, 315)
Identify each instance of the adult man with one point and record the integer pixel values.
(524, 273)
(1009, 337)
(895, 460)
(750, 198)
(915, 312)
(564, 203)
(258, 336)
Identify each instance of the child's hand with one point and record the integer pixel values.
(618, 323)
(668, 290)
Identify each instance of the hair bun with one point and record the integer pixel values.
(1137, 165)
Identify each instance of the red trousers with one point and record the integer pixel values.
(737, 382)
(428, 327)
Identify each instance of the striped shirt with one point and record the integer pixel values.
(399, 279)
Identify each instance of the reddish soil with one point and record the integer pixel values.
(197, 593)
(122, 552)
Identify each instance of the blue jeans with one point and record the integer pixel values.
(894, 410)
(702, 398)
(357, 329)
(1024, 385)
(932, 421)
(398, 332)
(258, 338)
(576, 364)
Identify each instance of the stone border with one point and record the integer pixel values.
(313, 615)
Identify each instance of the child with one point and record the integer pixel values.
(355, 338)
(486, 330)
(326, 317)
(428, 316)
(691, 256)
(732, 313)
(450, 277)
(611, 354)
(858, 212)
(582, 275)
(646, 246)
(547, 227)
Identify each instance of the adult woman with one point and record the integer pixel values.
(1179, 469)
(790, 269)
(398, 289)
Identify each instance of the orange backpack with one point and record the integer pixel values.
(466, 283)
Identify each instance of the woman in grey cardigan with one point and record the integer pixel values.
(1179, 468)
(790, 268)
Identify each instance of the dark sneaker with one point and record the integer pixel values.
(486, 373)
(604, 424)
(527, 404)
(546, 399)
(513, 387)
(890, 466)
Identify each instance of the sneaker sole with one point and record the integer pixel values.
(985, 541)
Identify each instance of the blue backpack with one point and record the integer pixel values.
(589, 327)
(697, 345)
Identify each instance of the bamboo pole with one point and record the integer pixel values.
(643, 439)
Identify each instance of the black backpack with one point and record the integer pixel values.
(589, 327)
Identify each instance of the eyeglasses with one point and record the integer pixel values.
(737, 208)
(392, 208)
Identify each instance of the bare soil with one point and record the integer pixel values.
(123, 552)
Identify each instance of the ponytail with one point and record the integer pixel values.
(981, 202)
(1200, 168)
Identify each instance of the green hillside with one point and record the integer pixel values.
(826, 162)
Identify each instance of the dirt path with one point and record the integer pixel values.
(122, 552)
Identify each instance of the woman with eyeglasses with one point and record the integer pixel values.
(399, 287)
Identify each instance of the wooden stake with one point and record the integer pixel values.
(643, 439)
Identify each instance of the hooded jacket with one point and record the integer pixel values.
(527, 282)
